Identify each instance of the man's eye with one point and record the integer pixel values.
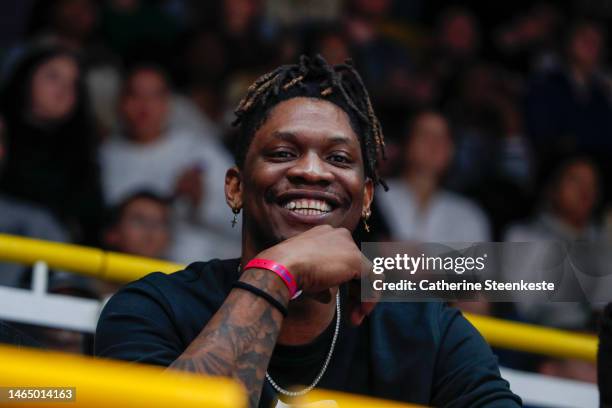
(339, 158)
(282, 154)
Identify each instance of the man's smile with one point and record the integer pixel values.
(308, 206)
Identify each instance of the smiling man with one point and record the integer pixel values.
(283, 318)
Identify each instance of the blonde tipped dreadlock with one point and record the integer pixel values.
(340, 80)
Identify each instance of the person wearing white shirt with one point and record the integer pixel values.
(416, 207)
(153, 153)
(567, 217)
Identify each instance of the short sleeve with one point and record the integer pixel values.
(466, 372)
(137, 325)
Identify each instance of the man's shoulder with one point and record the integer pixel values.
(210, 280)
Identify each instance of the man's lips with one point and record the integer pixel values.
(332, 200)
(311, 207)
(306, 216)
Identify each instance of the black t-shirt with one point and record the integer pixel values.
(422, 352)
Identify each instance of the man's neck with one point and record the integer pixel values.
(307, 319)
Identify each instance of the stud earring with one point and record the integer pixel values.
(365, 216)
(236, 211)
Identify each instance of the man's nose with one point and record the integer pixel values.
(310, 168)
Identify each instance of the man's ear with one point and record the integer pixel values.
(233, 188)
(368, 195)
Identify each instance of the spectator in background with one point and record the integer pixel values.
(149, 153)
(567, 215)
(493, 161)
(243, 31)
(528, 41)
(568, 107)
(20, 218)
(128, 26)
(70, 24)
(51, 149)
(457, 42)
(385, 63)
(74, 25)
(416, 207)
(140, 225)
(332, 44)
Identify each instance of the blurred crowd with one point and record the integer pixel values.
(115, 123)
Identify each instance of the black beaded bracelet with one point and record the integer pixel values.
(258, 292)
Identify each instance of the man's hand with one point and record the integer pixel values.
(322, 258)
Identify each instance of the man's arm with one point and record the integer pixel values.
(239, 339)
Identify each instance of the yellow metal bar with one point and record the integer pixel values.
(124, 268)
(80, 259)
(535, 339)
(331, 399)
(85, 260)
(104, 383)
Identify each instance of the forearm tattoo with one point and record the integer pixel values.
(239, 339)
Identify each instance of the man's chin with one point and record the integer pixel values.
(291, 231)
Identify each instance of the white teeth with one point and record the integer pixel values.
(308, 207)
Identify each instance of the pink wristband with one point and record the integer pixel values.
(278, 269)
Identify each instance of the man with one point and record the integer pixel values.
(305, 176)
(154, 155)
(416, 207)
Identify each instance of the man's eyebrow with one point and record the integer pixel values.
(284, 135)
(292, 137)
(340, 139)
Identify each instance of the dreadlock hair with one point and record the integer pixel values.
(313, 77)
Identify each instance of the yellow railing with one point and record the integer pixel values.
(124, 268)
(105, 383)
(329, 399)
(95, 262)
(98, 383)
(535, 339)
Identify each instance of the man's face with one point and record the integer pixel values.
(303, 168)
(145, 105)
(142, 230)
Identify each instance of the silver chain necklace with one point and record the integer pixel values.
(283, 391)
(306, 390)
